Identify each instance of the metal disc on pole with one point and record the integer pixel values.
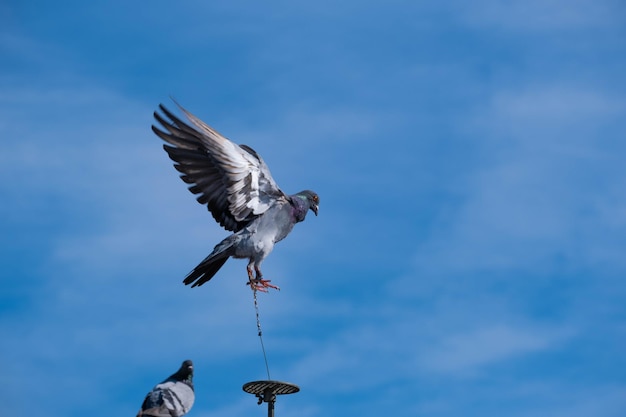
(266, 391)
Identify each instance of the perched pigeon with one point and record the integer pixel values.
(172, 397)
(239, 191)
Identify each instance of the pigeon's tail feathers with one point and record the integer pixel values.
(205, 271)
(211, 264)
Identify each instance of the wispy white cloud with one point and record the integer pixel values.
(543, 16)
(540, 192)
(468, 352)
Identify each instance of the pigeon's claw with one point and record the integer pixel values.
(264, 284)
(258, 284)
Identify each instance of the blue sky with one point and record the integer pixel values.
(468, 259)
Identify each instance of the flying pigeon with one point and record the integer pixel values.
(239, 191)
(172, 397)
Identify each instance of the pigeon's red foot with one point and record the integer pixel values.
(258, 284)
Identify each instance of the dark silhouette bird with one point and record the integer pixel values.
(173, 397)
(239, 191)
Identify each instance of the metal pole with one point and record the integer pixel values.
(269, 396)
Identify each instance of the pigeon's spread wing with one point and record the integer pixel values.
(232, 180)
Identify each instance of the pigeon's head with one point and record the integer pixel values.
(186, 371)
(311, 198)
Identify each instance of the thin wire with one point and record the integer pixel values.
(258, 326)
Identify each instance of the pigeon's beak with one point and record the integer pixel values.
(314, 208)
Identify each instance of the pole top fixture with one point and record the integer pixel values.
(266, 391)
